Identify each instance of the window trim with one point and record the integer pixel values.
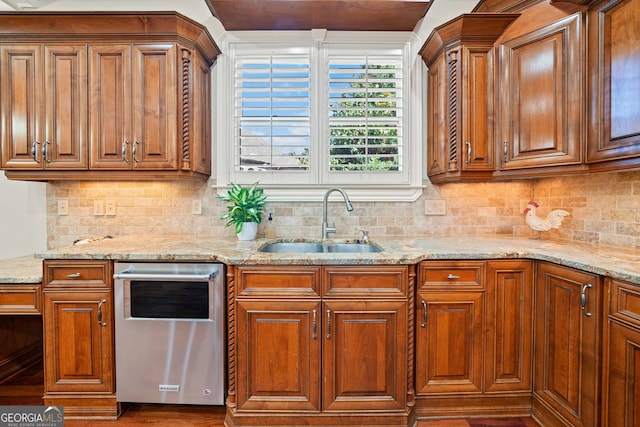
(312, 190)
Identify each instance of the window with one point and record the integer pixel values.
(272, 113)
(315, 114)
(365, 113)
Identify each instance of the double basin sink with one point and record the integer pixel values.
(316, 247)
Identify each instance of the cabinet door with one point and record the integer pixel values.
(154, 94)
(278, 357)
(110, 113)
(567, 341)
(364, 355)
(22, 92)
(623, 397)
(614, 81)
(541, 97)
(436, 118)
(477, 109)
(509, 338)
(200, 118)
(449, 342)
(65, 91)
(44, 90)
(78, 341)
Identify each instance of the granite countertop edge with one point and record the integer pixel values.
(615, 262)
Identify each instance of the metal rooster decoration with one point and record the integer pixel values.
(553, 220)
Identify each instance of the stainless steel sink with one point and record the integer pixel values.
(313, 247)
(292, 247)
(353, 247)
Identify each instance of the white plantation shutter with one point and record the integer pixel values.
(365, 108)
(309, 111)
(272, 113)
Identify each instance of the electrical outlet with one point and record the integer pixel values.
(196, 207)
(435, 207)
(63, 207)
(110, 208)
(98, 207)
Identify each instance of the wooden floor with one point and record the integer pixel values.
(26, 388)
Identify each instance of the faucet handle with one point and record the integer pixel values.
(365, 235)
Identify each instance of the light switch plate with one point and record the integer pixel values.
(98, 207)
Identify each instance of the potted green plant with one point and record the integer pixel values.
(245, 209)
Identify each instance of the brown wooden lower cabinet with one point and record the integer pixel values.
(449, 343)
(319, 345)
(364, 355)
(473, 339)
(567, 346)
(621, 403)
(509, 327)
(278, 355)
(78, 338)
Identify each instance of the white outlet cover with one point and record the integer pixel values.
(63, 207)
(110, 207)
(196, 207)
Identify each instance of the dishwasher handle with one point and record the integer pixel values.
(164, 276)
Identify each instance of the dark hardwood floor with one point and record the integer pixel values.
(26, 388)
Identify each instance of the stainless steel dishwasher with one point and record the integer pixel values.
(170, 332)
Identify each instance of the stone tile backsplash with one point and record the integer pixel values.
(604, 208)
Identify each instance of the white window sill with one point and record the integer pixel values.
(357, 194)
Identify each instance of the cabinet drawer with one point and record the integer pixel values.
(91, 274)
(625, 301)
(21, 299)
(368, 281)
(278, 281)
(447, 274)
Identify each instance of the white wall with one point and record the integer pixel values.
(194, 9)
(23, 217)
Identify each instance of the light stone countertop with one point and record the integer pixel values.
(25, 269)
(610, 261)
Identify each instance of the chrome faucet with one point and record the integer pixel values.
(326, 229)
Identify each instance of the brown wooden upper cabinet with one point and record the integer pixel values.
(460, 87)
(552, 91)
(130, 100)
(540, 93)
(614, 84)
(44, 106)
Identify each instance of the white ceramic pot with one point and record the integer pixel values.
(249, 230)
